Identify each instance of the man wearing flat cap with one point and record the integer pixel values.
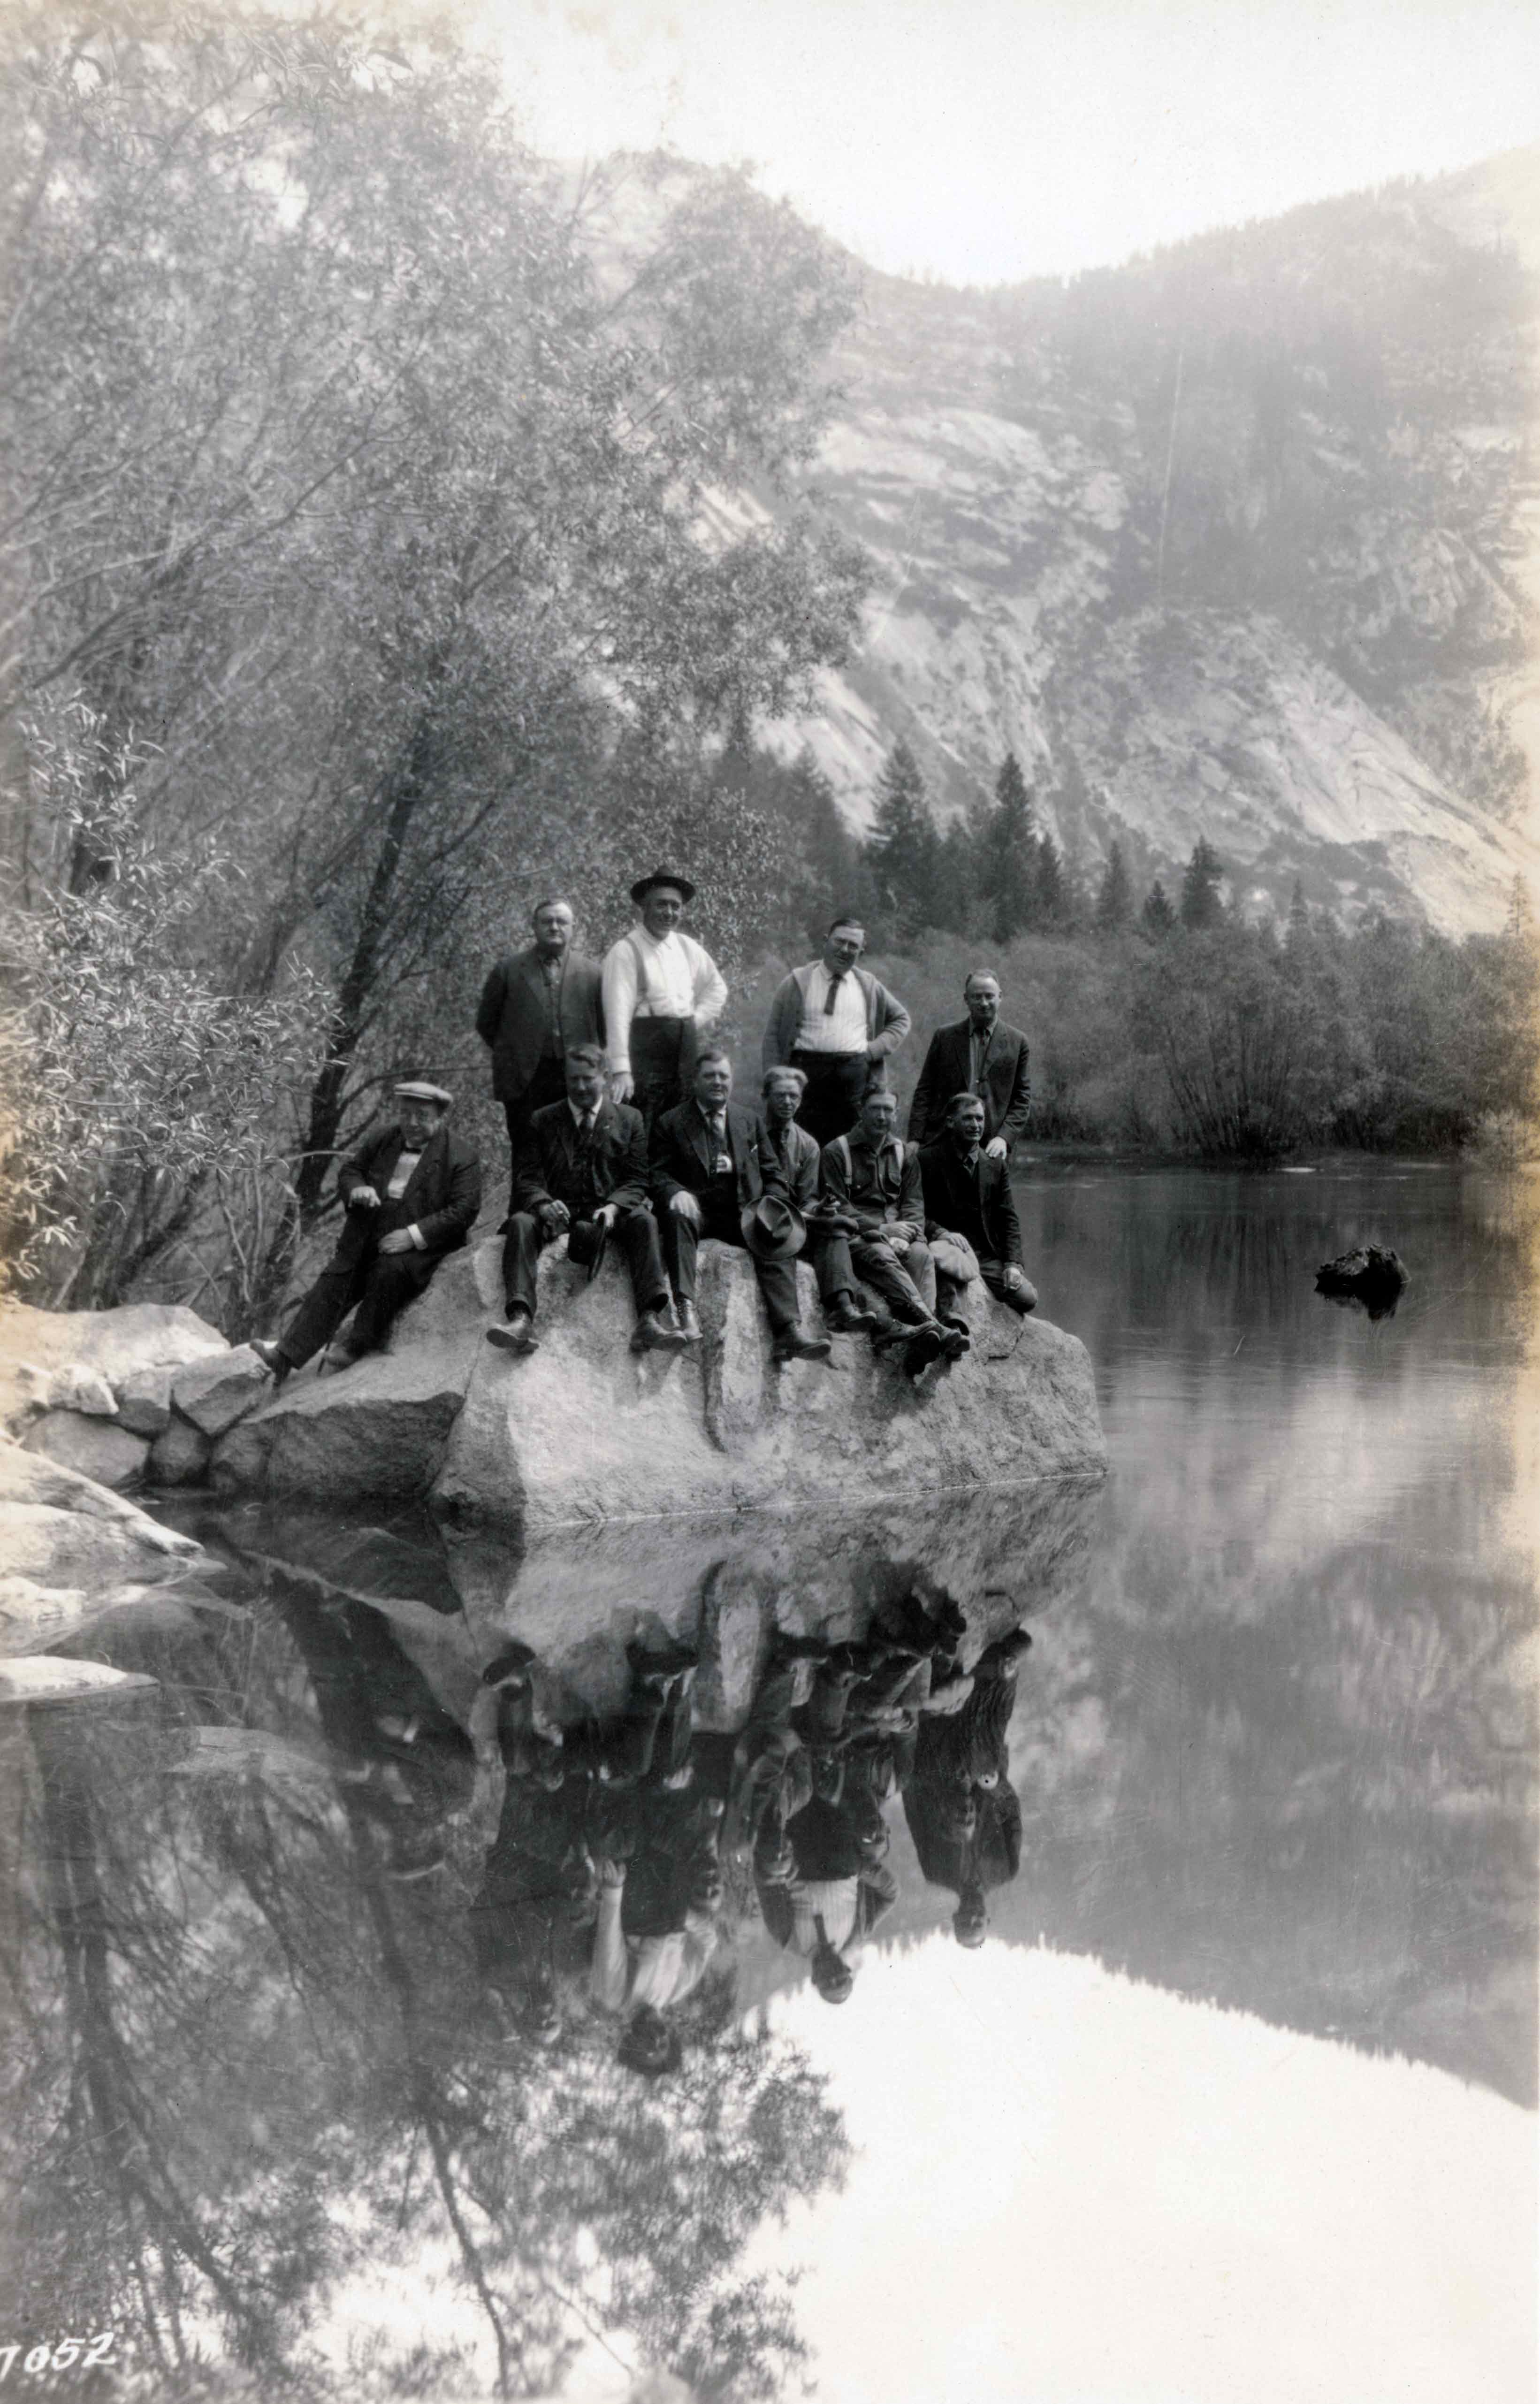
(661, 990)
(410, 1195)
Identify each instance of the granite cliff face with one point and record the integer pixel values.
(1235, 540)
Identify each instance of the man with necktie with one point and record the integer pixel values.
(709, 1169)
(410, 1195)
(966, 1192)
(583, 1173)
(976, 1054)
(839, 1024)
(797, 1160)
(661, 990)
(533, 1005)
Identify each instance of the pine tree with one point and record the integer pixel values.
(1158, 917)
(1201, 905)
(1050, 901)
(1007, 861)
(1115, 895)
(904, 845)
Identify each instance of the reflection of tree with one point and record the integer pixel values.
(245, 2079)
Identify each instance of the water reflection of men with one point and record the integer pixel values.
(533, 1918)
(659, 1885)
(405, 1762)
(815, 1829)
(963, 1814)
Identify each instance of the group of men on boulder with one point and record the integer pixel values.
(622, 1126)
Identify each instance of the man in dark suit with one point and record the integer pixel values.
(968, 1194)
(708, 1169)
(976, 1055)
(410, 1195)
(584, 1168)
(533, 1006)
(797, 1156)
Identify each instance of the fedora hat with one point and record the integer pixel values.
(645, 884)
(773, 1229)
(587, 1244)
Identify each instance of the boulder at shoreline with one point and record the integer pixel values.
(584, 1431)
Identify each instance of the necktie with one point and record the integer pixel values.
(585, 1130)
(836, 978)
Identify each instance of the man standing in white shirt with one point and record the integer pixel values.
(836, 1023)
(661, 990)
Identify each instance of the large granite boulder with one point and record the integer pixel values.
(98, 1448)
(113, 1346)
(144, 1401)
(69, 1545)
(585, 1430)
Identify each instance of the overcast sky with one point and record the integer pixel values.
(985, 140)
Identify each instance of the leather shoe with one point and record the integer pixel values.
(689, 1325)
(955, 1341)
(794, 1346)
(925, 1345)
(519, 1335)
(848, 1321)
(654, 1335)
(277, 1363)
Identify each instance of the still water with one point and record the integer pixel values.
(1158, 2021)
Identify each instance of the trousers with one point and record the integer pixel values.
(1022, 1299)
(380, 1284)
(837, 1084)
(902, 1277)
(636, 1234)
(547, 1084)
(662, 1065)
(720, 1219)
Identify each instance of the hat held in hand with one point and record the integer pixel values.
(773, 1229)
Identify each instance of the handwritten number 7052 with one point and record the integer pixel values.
(87, 2352)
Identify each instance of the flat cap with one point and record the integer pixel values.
(417, 1089)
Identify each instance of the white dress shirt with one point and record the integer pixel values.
(400, 1178)
(679, 980)
(843, 1029)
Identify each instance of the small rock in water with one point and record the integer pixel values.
(1373, 1276)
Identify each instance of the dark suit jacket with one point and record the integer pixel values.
(802, 1161)
(1007, 1098)
(513, 1015)
(682, 1155)
(549, 1168)
(441, 1199)
(985, 1212)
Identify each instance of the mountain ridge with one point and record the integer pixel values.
(1239, 540)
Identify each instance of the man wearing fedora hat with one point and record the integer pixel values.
(660, 990)
(712, 1175)
(410, 1195)
(583, 1172)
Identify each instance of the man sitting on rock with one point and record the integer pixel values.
(410, 1195)
(796, 1158)
(710, 1176)
(967, 1192)
(873, 1178)
(583, 1172)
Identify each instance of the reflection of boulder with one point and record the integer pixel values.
(584, 1429)
(575, 1598)
(67, 1543)
(1373, 1277)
